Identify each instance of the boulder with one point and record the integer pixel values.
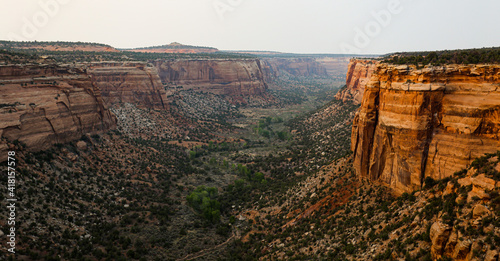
(462, 249)
(439, 234)
(480, 211)
(81, 145)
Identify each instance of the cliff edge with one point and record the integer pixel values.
(415, 123)
(46, 104)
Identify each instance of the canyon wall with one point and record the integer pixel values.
(306, 67)
(359, 73)
(129, 82)
(336, 67)
(239, 79)
(428, 122)
(41, 105)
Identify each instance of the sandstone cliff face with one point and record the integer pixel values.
(305, 67)
(41, 105)
(240, 80)
(129, 82)
(430, 122)
(359, 73)
(335, 66)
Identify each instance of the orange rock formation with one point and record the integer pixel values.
(41, 105)
(239, 79)
(428, 122)
(132, 82)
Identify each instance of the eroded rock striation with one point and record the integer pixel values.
(41, 105)
(415, 123)
(129, 82)
(359, 73)
(239, 79)
(306, 67)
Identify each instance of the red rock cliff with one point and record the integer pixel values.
(41, 105)
(131, 82)
(430, 122)
(294, 66)
(358, 74)
(240, 79)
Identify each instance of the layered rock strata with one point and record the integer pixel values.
(41, 105)
(359, 73)
(428, 122)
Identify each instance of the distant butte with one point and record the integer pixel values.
(175, 47)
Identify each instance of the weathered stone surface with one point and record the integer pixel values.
(439, 236)
(462, 249)
(480, 211)
(241, 80)
(132, 82)
(294, 66)
(431, 122)
(491, 255)
(46, 104)
(359, 73)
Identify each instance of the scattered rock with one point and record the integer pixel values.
(465, 181)
(471, 172)
(480, 211)
(449, 188)
(72, 156)
(450, 245)
(488, 229)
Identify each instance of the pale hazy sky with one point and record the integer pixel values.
(299, 26)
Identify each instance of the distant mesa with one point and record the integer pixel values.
(57, 46)
(174, 47)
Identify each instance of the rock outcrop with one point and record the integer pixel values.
(306, 67)
(174, 48)
(239, 79)
(58, 46)
(359, 73)
(129, 82)
(41, 105)
(428, 122)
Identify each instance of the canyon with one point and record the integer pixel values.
(431, 121)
